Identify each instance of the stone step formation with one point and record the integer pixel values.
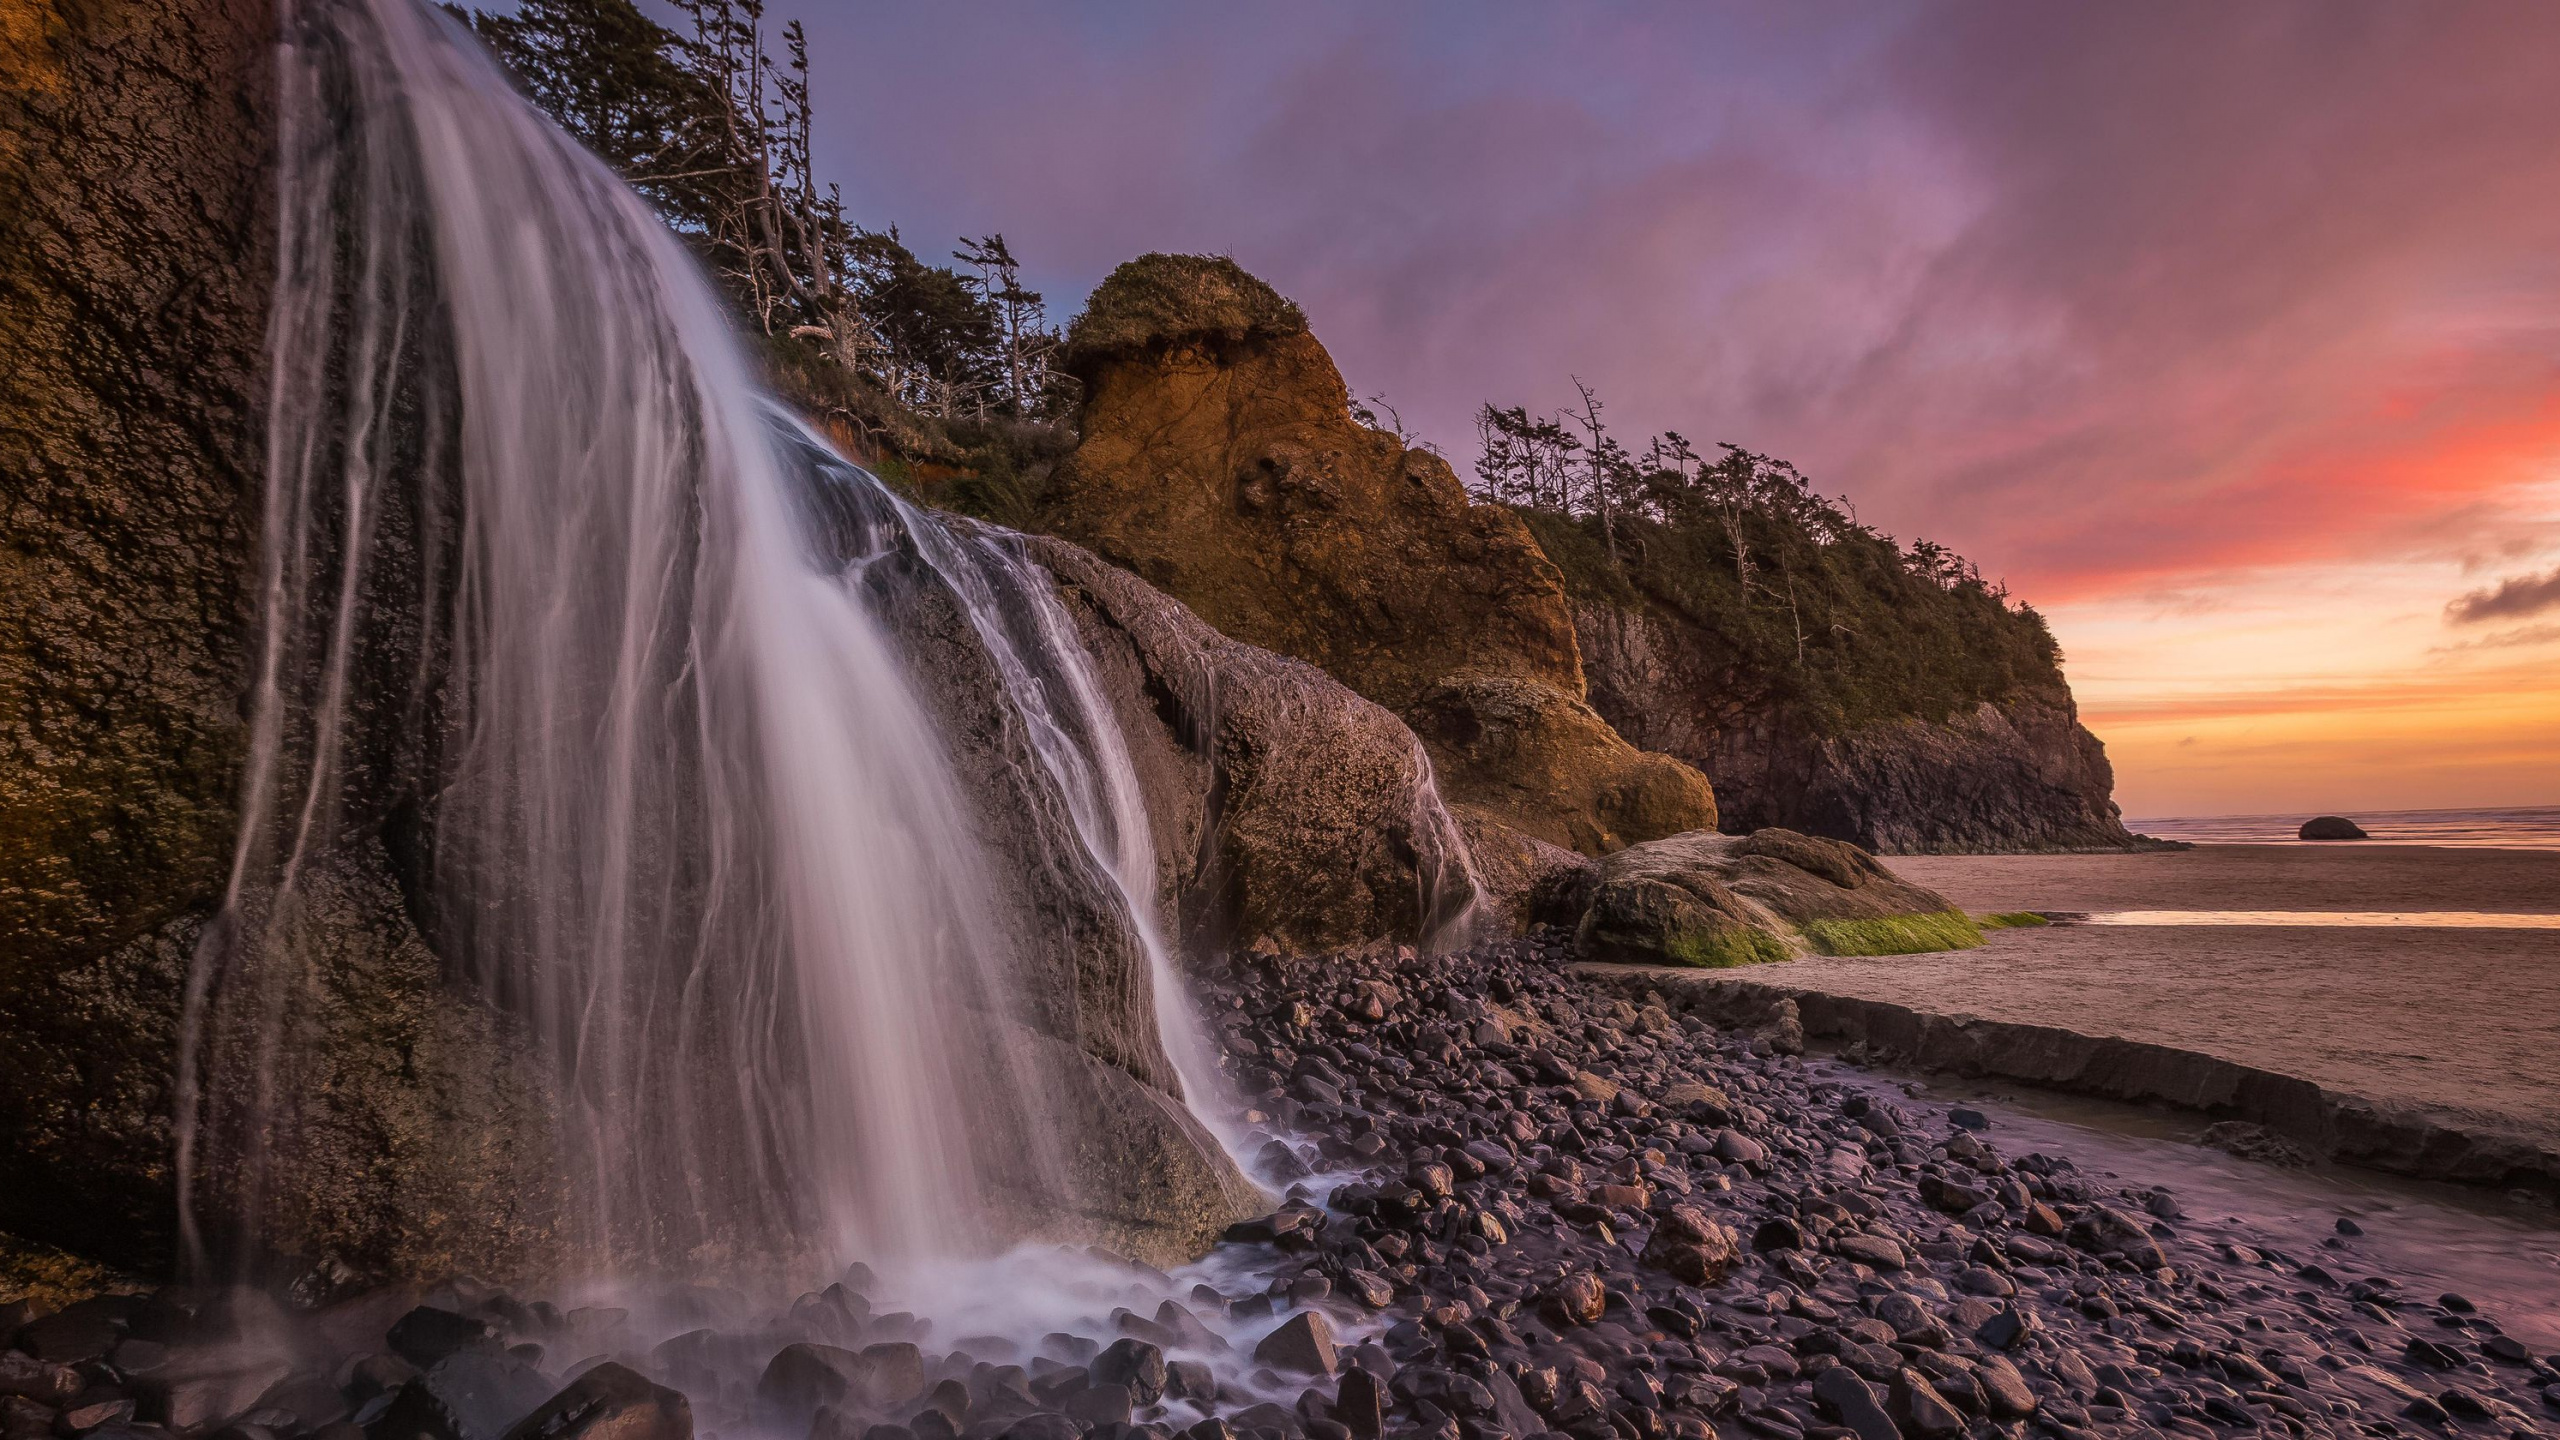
(1512, 1204)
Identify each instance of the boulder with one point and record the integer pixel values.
(1710, 900)
(1523, 880)
(609, 1402)
(1535, 755)
(1289, 812)
(2332, 827)
(1219, 460)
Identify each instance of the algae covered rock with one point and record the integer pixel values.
(2332, 827)
(1220, 462)
(1710, 900)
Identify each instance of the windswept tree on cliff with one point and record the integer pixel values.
(1025, 344)
(1803, 599)
(718, 133)
(1527, 460)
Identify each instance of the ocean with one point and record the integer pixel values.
(2525, 828)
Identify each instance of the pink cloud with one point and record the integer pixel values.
(2100, 295)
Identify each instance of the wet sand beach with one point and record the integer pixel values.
(2461, 1026)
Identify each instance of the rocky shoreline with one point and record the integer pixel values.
(1517, 1203)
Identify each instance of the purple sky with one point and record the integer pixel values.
(2139, 306)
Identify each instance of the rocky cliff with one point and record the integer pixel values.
(132, 303)
(1219, 461)
(135, 262)
(2018, 773)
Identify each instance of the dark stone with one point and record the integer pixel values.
(1854, 1403)
(1360, 1405)
(1099, 1404)
(1044, 1426)
(196, 1390)
(426, 1335)
(1135, 1364)
(2005, 1392)
(2003, 1330)
(1870, 1250)
(2331, 827)
(469, 1395)
(2463, 1405)
(1920, 1410)
(2433, 1354)
(85, 1330)
(82, 1416)
(45, 1382)
(1190, 1380)
(1778, 1233)
(1302, 1346)
(1575, 1299)
(609, 1402)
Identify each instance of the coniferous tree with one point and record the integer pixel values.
(719, 135)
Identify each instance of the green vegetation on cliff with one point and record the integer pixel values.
(1800, 604)
(911, 358)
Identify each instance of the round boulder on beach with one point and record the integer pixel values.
(2332, 827)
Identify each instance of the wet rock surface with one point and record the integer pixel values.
(1511, 1203)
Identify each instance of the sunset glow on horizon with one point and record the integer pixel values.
(2228, 337)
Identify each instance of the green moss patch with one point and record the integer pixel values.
(1724, 949)
(1898, 935)
(2012, 920)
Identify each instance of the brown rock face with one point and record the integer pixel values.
(133, 275)
(1220, 462)
(135, 263)
(1288, 811)
(2022, 774)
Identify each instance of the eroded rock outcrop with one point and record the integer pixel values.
(1710, 900)
(2017, 774)
(1289, 812)
(1219, 461)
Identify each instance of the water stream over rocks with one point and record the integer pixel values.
(782, 822)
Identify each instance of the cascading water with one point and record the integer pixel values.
(674, 800)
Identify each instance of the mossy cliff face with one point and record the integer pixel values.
(1219, 461)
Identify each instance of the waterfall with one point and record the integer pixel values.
(559, 607)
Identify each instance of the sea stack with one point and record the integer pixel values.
(2332, 827)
